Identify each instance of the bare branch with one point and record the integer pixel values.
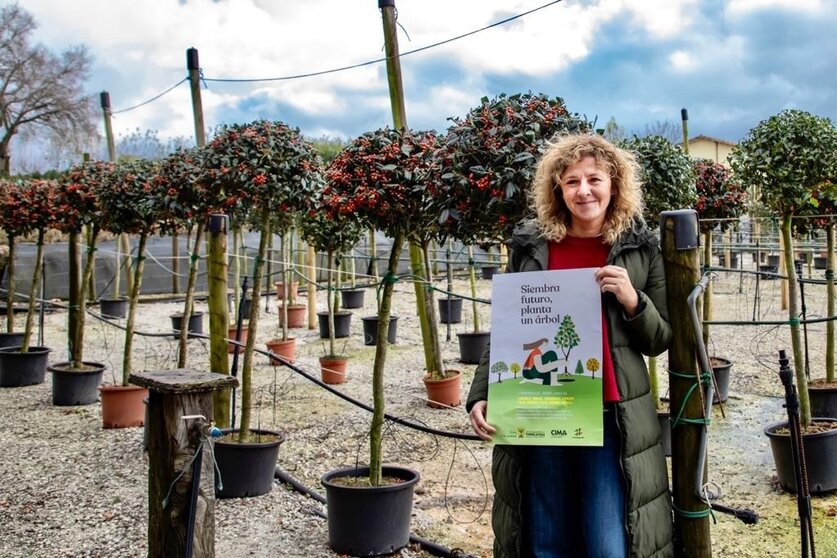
(41, 92)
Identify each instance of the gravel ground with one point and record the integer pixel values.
(71, 488)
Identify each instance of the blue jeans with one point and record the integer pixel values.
(574, 500)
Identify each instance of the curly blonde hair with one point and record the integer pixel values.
(546, 201)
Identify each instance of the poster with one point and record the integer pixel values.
(544, 380)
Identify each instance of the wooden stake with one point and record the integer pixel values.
(691, 534)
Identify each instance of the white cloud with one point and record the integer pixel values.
(743, 6)
(682, 61)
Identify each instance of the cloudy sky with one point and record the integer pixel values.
(732, 63)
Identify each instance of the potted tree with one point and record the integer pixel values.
(185, 204)
(721, 200)
(76, 381)
(793, 157)
(129, 206)
(333, 234)
(274, 171)
(25, 364)
(486, 162)
(291, 314)
(373, 179)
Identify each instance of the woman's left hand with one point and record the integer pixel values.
(614, 279)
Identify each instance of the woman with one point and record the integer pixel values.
(611, 501)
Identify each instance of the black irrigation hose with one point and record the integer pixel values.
(433, 548)
(309, 377)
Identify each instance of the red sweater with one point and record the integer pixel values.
(573, 253)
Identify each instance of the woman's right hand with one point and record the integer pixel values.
(478, 423)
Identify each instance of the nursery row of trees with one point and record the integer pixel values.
(416, 186)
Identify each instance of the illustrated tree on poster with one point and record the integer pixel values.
(566, 339)
(498, 368)
(593, 366)
(579, 368)
(514, 368)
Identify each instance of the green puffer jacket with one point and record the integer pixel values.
(649, 515)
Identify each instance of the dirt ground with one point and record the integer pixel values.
(453, 498)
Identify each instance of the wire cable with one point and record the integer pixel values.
(379, 60)
(152, 99)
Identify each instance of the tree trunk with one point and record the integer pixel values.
(74, 291)
(707, 294)
(133, 300)
(379, 401)
(87, 275)
(33, 293)
(793, 318)
(829, 325)
(10, 296)
(472, 279)
(194, 262)
(247, 366)
(420, 282)
(437, 370)
(330, 301)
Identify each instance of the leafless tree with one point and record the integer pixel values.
(41, 92)
(613, 132)
(668, 129)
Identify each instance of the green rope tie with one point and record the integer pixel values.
(706, 268)
(829, 274)
(705, 377)
(699, 514)
(91, 249)
(794, 321)
(194, 257)
(139, 259)
(388, 279)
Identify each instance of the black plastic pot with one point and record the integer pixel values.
(820, 457)
(11, 339)
(246, 469)
(450, 310)
(23, 369)
(472, 345)
(342, 324)
(195, 322)
(488, 271)
(768, 271)
(113, 307)
(733, 260)
(721, 369)
(352, 298)
(823, 400)
(820, 262)
(370, 330)
(369, 521)
(76, 387)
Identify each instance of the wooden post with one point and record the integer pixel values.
(172, 446)
(124, 246)
(680, 254)
(219, 313)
